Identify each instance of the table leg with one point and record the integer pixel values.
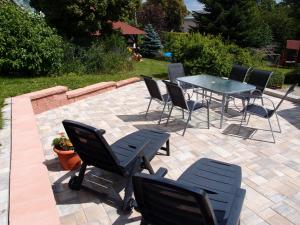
(224, 99)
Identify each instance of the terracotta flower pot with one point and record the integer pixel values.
(69, 160)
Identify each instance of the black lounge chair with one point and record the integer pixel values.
(207, 193)
(178, 100)
(263, 112)
(125, 157)
(155, 94)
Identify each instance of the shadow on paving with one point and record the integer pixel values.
(291, 115)
(245, 132)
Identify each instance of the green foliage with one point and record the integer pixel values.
(238, 21)
(103, 56)
(77, 19)
(278, 19)
(27, 44)
(12, 86)
(292, 76)
(151, 42)
(62, 143)
(207, 54)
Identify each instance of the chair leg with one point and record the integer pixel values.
(271, 129)
(248, 119)
(169, 115)
(76, 181)
(182, 114)
(244, 116)
(187, 122)
(278, 122)
(162, 112)
(148, 107)
(208, 120)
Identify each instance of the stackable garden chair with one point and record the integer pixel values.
(155, 94)
(238, 73)
(207, 193)
(121, 160)
(178, 100)
(176, 70)
(258, 78)
(263, 112)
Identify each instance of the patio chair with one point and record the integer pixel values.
(178, 100)
(258, 78)
(155, 94)
(121, 160)
(263, 112)
(238, 73)
(207, 193)
(176, 70)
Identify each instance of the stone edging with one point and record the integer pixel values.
(279, 94)
(31, 199)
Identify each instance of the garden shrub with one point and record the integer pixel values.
(207, 54)
(27, 44)
(102, 56)
(292, 77)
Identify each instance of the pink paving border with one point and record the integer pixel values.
(31, 197)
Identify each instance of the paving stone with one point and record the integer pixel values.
(271, 173)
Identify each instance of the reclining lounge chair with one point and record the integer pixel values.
(125, 157)
(207, 193)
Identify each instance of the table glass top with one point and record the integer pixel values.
(217, 84)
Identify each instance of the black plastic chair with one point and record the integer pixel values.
(155, 93)
(207, 193)
(258, 78)
(263, 112)
(178, 100)
(125, 157)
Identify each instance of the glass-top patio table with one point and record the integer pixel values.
(218, 85)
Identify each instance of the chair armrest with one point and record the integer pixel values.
(161, 172)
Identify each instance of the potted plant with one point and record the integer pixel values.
(68, 158)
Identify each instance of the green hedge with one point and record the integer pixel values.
(209, 54)
(292, 76)
(27, 44)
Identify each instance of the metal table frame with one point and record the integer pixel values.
(218, 85)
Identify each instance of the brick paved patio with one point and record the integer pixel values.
(271, 172)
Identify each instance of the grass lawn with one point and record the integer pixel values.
(13, 86)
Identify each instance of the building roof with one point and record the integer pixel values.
(126, 29)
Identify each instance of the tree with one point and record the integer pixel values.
(294, 13)
(151, 42)
(152, 14)
(238, 21)
(77, 19)
(164, 15)
(27, 44)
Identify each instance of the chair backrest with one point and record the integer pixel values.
(162, 201)
(290, 90)
(176, 94)
(91, 146)
(175, 70)
(239, 73)
(152, 87)
(260, 79)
